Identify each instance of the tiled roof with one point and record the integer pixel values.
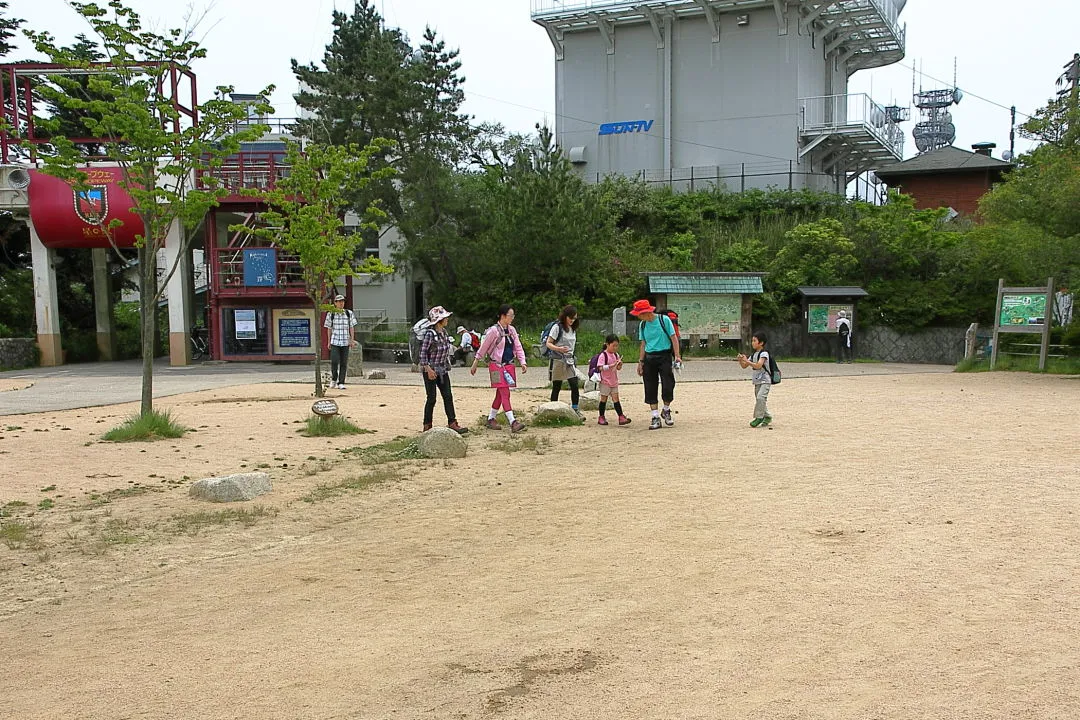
(946, 159)
(833, 291)
(705, 283)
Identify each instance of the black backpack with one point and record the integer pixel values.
(774, 370)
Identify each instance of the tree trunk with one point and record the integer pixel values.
(317, 335)
(148, 317)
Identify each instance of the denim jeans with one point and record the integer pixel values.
(339, 363)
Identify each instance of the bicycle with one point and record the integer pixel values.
(200, 346)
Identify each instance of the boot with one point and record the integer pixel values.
(457, 428)
(427, 426)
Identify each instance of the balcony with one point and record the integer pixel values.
(227, 274)
(849, 133)
(863, 33)
(247, 171)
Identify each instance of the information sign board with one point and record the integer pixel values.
(821, 318)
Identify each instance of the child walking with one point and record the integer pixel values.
(609, 364)
(761, 377)
(501, 346)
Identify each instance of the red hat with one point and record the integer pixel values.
(642, 306)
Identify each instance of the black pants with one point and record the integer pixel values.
(556, 388)
(442, 382)
(843, 353)
(657, 372)
(339, 363)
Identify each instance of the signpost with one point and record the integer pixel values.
(1023, 310)
(325, 409)
(822, 318)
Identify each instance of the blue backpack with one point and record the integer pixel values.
(545, 351)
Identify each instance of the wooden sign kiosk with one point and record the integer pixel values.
(1024, 310)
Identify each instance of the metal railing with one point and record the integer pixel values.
(248, 170)
(836, 113)
(227, 270)
(278, 126)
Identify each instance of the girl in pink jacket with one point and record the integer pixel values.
(501, 346)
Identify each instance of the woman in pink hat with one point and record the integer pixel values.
(659, 347)
(501, 345)
(435, 365)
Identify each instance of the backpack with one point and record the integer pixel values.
(422, 325)
(774, 370)
(594, 367)
(475, 340)
(545, 351)
(674, 318)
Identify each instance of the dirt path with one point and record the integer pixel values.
(896, 547)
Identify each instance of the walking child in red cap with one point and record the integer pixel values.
(659, 350)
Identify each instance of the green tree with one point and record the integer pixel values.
(133, 111)
(305, 214)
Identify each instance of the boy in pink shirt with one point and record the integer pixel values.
(609, 364)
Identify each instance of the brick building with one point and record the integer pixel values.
(947, 177)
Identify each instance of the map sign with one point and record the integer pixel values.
(708, 314)
(1026, 309)
(822, 318)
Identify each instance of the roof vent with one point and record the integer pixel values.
(984, 148)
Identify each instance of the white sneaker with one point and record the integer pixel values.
(341, 386)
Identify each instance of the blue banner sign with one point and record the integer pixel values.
(618, 128)
(294, 332)
(260, 267)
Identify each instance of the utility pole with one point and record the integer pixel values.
(1069, 82)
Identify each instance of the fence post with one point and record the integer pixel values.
(970, 338)
(742, 178)
(691, 178)
(790, 175)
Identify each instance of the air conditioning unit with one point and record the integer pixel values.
(14, 180)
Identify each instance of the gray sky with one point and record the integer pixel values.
(509, 63)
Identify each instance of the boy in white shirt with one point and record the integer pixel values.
(762, 378)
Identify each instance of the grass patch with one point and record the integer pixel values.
(360, 482)
(532, 443)
(333, 426)
(154, 425)
(482, 421)
(46, 504)
(14, 507)
(556, 422)
(118, 532)
(193, 523)
(1007, 363)
(18, 534)
(400, 448)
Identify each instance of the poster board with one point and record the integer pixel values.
(821, 317)
(260, 267)
(244, 321)
(295, 331)
(1023, 310)
(709, 315)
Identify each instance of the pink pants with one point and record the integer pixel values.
(502, 399)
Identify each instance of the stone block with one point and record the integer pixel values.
(442, 443)
(232, 488)
(589, 401)
(554, 410)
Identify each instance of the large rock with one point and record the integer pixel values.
(442, 443)
(589, 401)
(550, 411)
(232, 488)
(377, 375)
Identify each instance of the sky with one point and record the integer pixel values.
(509, 63)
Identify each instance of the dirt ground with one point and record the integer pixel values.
(895, 547)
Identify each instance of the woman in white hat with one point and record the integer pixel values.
(435, 352)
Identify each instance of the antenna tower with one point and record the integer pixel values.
(935, 128)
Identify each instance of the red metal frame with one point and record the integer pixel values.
(18, 118)
(247, 171)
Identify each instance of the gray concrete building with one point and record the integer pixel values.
(747, 93)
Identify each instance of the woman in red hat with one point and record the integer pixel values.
(659, 348)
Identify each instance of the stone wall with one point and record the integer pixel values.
(17, 353)
(939, 346)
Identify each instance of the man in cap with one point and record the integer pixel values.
(843, 333)
(340, 322)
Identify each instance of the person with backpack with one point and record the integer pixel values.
(501, 346)
(762, 377)
(605, 367)
(340, 322)
(843, 334)
(469, 342)
(658, 357)
(559, 343)
(435, 364)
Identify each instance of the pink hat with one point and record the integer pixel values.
(437, 313)
(642, 306)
